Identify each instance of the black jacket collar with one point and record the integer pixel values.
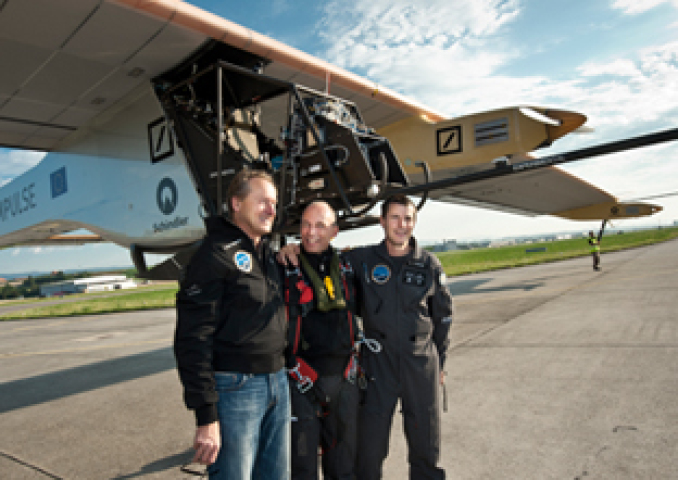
(416, 252)
(224, 227)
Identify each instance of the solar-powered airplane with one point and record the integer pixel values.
(148, 108)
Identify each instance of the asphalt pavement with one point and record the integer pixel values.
(555, 372)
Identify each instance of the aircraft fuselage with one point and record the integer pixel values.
(107, 185)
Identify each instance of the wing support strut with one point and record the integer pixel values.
(427, 180)
(602, 229)
(548, 161)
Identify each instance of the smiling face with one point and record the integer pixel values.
(255, 213)
(318, 227)
(398, 225)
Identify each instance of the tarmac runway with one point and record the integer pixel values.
(555, 372)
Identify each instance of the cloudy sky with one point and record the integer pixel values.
(614, 60)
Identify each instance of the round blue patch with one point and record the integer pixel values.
(381, 274)
(243, 261)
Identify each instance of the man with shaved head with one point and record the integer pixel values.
(322, 331)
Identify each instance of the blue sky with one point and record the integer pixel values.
(614, 60)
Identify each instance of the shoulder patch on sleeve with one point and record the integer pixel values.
(243, 260)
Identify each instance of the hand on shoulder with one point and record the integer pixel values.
(289, 254)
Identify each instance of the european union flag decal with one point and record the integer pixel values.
(58, 182)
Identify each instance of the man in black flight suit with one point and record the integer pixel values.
(406, 306)
(322, 332)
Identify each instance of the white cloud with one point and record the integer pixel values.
(643, 89)
(634, 7)
(16, 162)
(380, 39)
(382, 22)
(620, 67)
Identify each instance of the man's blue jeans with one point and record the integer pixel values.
(254, 417)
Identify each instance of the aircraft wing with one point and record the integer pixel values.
(65, 63)
(49, 233)
(67, 67)
(56, 241)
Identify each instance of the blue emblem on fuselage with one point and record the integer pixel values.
(58, 183)
(243, 261)
(381, 274)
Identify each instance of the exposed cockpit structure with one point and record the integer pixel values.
(316, 145)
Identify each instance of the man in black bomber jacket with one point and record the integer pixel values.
(230, 340)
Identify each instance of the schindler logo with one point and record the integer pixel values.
(176, 223)
(167, 196)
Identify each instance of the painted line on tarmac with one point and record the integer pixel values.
(84, 349)
(52, 324)
(24, 463)
(45, 325)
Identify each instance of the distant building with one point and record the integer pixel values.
(84, 285)
(446, 246)
(501, 243)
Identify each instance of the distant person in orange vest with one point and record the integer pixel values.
(595, 249)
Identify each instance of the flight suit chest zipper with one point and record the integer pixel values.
(399, 312)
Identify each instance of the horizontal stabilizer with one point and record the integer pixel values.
(611, 211)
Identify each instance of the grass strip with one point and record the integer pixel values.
(138, 300)
(463, 262)
(88, 296)
(455, 263)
